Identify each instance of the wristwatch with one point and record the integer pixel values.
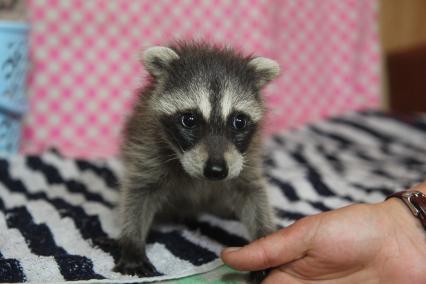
(416, 201)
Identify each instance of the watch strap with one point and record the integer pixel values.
(416, 202)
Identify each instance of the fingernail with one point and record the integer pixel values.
(232, 249)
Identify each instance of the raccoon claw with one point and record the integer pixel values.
(141, 268)
(106, 241)
(258, 276)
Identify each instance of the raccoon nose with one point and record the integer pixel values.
(215, 170)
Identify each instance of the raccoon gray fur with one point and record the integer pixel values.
(193, 144)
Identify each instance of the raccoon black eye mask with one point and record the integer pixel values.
(192, 145)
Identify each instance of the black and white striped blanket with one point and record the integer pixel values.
(54, 211)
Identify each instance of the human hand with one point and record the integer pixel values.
(376, 243)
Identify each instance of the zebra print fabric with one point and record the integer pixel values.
(56, 212)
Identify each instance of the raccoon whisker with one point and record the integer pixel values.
(248, 166)
(171, 159)
(245, 165)
(176, 142)
(244, 158)
(168, 157)
(179, 146)
(166, 143)
(171, 155)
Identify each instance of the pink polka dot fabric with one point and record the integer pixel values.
(85, 60)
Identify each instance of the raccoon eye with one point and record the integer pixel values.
(189, 120)
(239, 122)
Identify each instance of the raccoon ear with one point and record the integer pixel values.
(157, 58)
(266, 69)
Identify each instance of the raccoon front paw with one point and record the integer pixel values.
(141, 267)
(257, 277)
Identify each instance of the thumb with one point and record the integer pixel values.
(274, 250)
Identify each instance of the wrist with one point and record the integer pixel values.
(413, 200)
(402, 217)
(404, 240)
(403, 220)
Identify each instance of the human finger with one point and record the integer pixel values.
(276, 249)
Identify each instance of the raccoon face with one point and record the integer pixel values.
(209, 105)
(212, 148)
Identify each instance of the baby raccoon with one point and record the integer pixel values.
(192, 144)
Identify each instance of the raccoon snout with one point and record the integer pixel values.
(215, 169)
